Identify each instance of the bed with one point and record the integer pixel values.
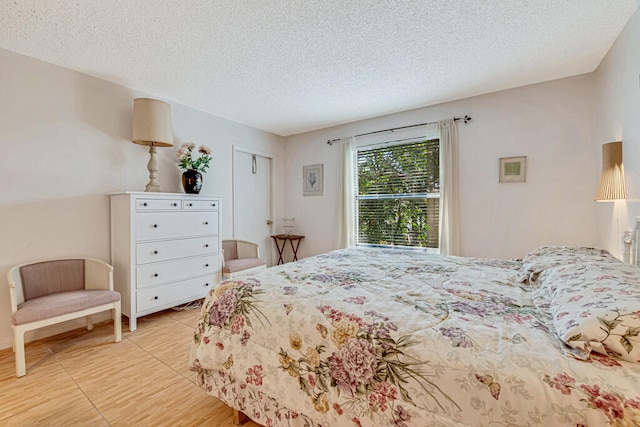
(381, 337)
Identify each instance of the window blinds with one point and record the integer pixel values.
(397, 200)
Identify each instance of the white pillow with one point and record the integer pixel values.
(595, 307)
(546, 257)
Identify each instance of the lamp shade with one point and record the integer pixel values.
(611, 185)
(152, 123)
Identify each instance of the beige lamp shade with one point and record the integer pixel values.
(152, 126)
(611, 185)
(152, 123)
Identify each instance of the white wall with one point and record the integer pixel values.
(65, 140)
(617, 109)
(550, 123)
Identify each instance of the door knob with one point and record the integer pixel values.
(269, 222)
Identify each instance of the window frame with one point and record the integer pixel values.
(357, 197)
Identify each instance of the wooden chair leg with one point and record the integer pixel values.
(89, 322)
(21, 365)
(117, 322)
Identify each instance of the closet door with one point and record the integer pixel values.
(252, 200)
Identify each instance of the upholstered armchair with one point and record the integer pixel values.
(240, 257)
(47, 292)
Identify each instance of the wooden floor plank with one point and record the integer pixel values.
(84, 378)
(71, 409)
(179, 404)
(48, 381)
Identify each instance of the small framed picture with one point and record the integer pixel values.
(513, 169)
(312, 176)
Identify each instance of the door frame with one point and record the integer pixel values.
(238, 149)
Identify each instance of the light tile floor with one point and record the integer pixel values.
(83, 378)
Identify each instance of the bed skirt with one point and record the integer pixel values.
(255, 404)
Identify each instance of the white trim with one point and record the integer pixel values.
(251, 151)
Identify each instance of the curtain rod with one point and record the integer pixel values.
(466, 119)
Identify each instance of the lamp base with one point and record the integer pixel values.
(152, 167)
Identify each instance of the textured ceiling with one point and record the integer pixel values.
(291, 66)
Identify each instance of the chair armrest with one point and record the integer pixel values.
(247, 249)
(15, 288)
(97, 274)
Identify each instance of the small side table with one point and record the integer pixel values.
(283, 238)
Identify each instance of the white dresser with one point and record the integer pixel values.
(165, 249)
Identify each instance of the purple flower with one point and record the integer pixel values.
(360, 299)
(379, 330)
(479, 308)
(245, 338)
(458, 337)
(374, 313)
(223, 308)
(290, 290)
(400, 416)
(353, 365)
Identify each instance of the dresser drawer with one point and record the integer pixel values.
(170, 271)
(168, 225)
(167, 295)
(158, 204)
(173, 249)
(200, 205)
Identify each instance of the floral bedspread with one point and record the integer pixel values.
(375, 337)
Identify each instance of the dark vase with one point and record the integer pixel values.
(192, 181)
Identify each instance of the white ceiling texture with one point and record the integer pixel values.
(290, 66)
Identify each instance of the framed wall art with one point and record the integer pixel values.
(312, 180)
(513, 169)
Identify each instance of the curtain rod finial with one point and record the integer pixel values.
(465, 119)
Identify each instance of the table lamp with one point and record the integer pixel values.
(152, 127)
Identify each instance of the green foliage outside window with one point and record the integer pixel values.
(398, 194)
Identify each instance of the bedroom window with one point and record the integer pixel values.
(398, 194)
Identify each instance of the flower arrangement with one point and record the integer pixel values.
(185, 157)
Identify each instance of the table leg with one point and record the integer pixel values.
(280, 250)
(295, 250)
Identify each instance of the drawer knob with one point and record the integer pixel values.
(190, 204)
(155, 252)
(174, 204)
(206, 284)
(206, 245)
(155, 297)
(155, 275)
(144, 204)
(206, 223)
(213, 204)
(206, 265)
(155, 225)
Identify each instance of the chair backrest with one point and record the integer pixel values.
(230, 249)
(49, 277)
